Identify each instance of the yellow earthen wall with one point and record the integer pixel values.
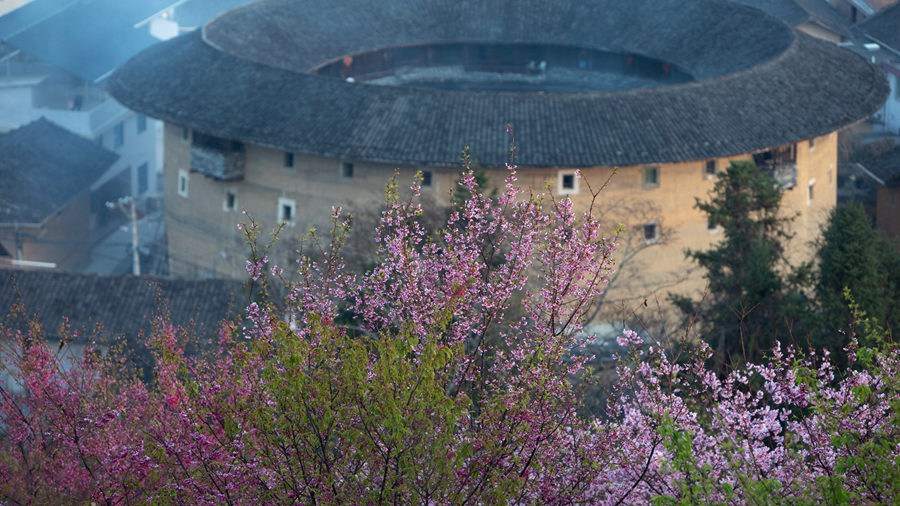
(203, 237)
(199, 230)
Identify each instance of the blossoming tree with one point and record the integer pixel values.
(442, 375)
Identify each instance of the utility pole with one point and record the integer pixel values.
(131, 213)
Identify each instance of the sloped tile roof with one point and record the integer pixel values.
(90, 38)
(119, 306)
(785, 10)
(884, 27)
(247, 77)
(885, 166)
(29, 15)
(43, 167)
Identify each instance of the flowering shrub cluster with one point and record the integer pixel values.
(442, 375)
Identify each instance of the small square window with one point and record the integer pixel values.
(230, 203)
(119, 135)
(811, 191)
(347, 170)
(711, 224)
(651, 232)
(184, 182)
(426, 179)
(567, 182)
(651, 177)
(709, 171)
(287, 211)
(812, 143)
(288, 160)
(141, 123)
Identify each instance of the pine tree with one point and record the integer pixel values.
(854, 256)
(751, 301)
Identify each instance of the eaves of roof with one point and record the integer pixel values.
(884, 28)
(246, 81)
(110, 307)
(885, 168)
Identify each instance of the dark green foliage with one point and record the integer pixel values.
(751, 302)
(854, 256)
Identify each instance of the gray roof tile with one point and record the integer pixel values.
(884, 27)
(247, 78)
(886, 166)
(43, 167)
(119, 306)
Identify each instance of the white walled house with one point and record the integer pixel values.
(55, 56)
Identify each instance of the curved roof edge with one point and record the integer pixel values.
(791, 98)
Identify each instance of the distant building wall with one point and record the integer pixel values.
(61, 240)
(203, 239)
(12, 97)
(135, 141)
(890, 111)
(86, 110)
(887, 211)
(202, 234)
(815, 194)
(820, 32)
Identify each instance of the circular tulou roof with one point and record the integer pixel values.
(249, 76)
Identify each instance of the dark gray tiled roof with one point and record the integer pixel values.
(29, 15)
(709, 38)
(759, 84)
(785, 10)
(43, 167)
(119, 306)
(885, 166)
(90, 38)
(884, 27)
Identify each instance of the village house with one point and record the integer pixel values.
(55, 56)
(285, 108)
(46, 173)
(882, 179)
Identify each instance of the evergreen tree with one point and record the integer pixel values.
(854, 256)
(751, 301)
